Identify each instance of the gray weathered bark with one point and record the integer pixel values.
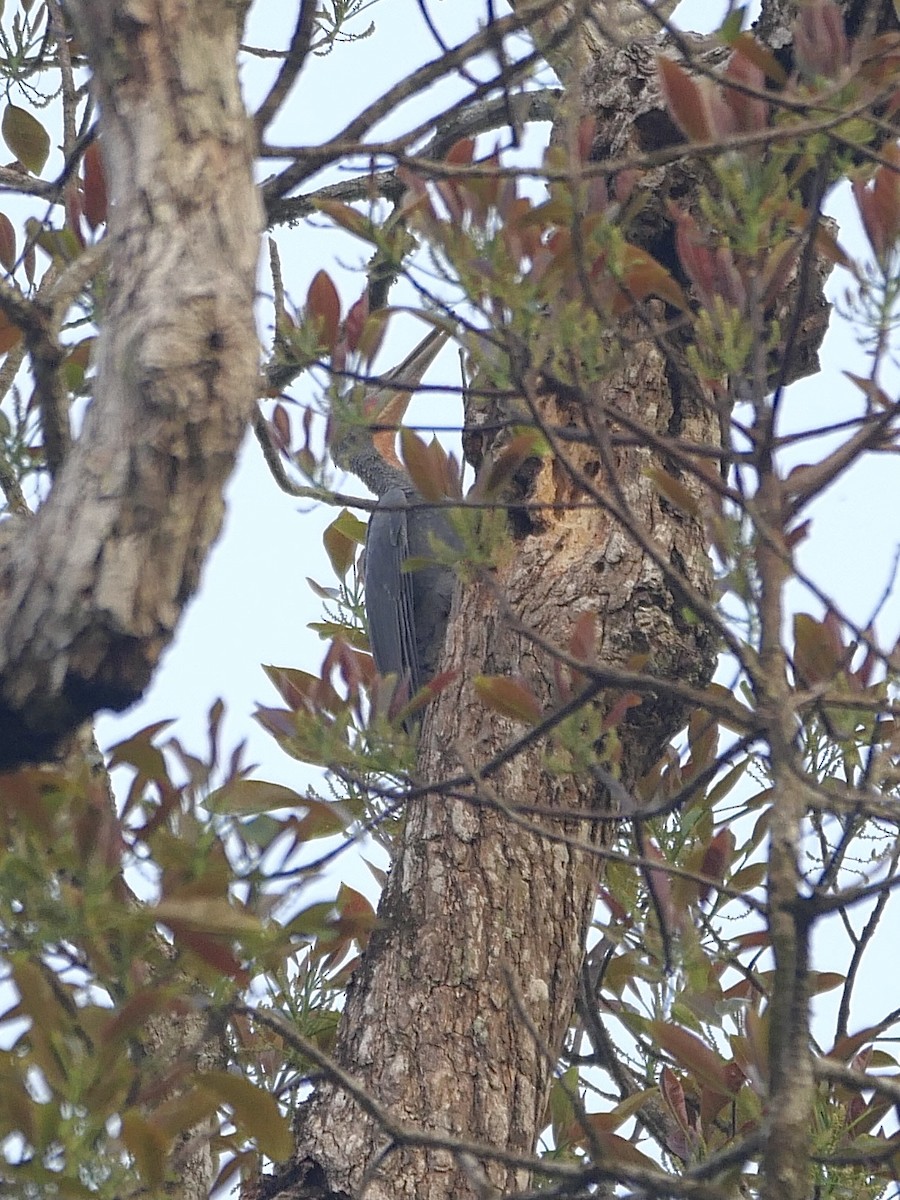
(91, 589)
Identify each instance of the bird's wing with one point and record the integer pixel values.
(429, 529)
(389, 591)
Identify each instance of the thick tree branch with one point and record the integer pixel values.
(92, 589)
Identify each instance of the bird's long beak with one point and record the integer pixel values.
(388, 404)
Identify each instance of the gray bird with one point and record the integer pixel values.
(407, 610)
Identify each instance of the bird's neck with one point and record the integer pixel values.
(378, 475)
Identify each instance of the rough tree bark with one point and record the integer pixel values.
(92, 588)
(484, 916)
(432, 1027)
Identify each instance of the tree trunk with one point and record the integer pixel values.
(485, 914)
(455, 1020)
(93, 587)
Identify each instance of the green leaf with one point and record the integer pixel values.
(205, 914)
(26, 137)
(510, 697)
(7, 242)
(749, 878)
(610, 1121)
(727, 782)
(348, 218)
(351, 526)
(147, 1145)
(255, 1110)
(252, 796)
(320, 820)
(329, 630)
(339, 546)
(618, 1151)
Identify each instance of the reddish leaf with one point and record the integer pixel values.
(617, 713)
(134, 1013)
(617, 1150)
(10, 334)
(684, 99)
(779, 263)
(745, 45)
(821, 47)
(673, 1093)
(324, 305)
(280, 427)
(609, 1121)
(139, 751)
(583, 638)
(295, 687)
(95, 202)
(355, 321)
(750, 114)
(355, 908)
(695, 255)
(212, 950)
(660, 884)
(587, 131)
(879, 205)
(419, 461)
(695, 1056)
(825, 981)
(496, 473)
(711, 1104)
(72, 203)
(460, 153)
(718, 856)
